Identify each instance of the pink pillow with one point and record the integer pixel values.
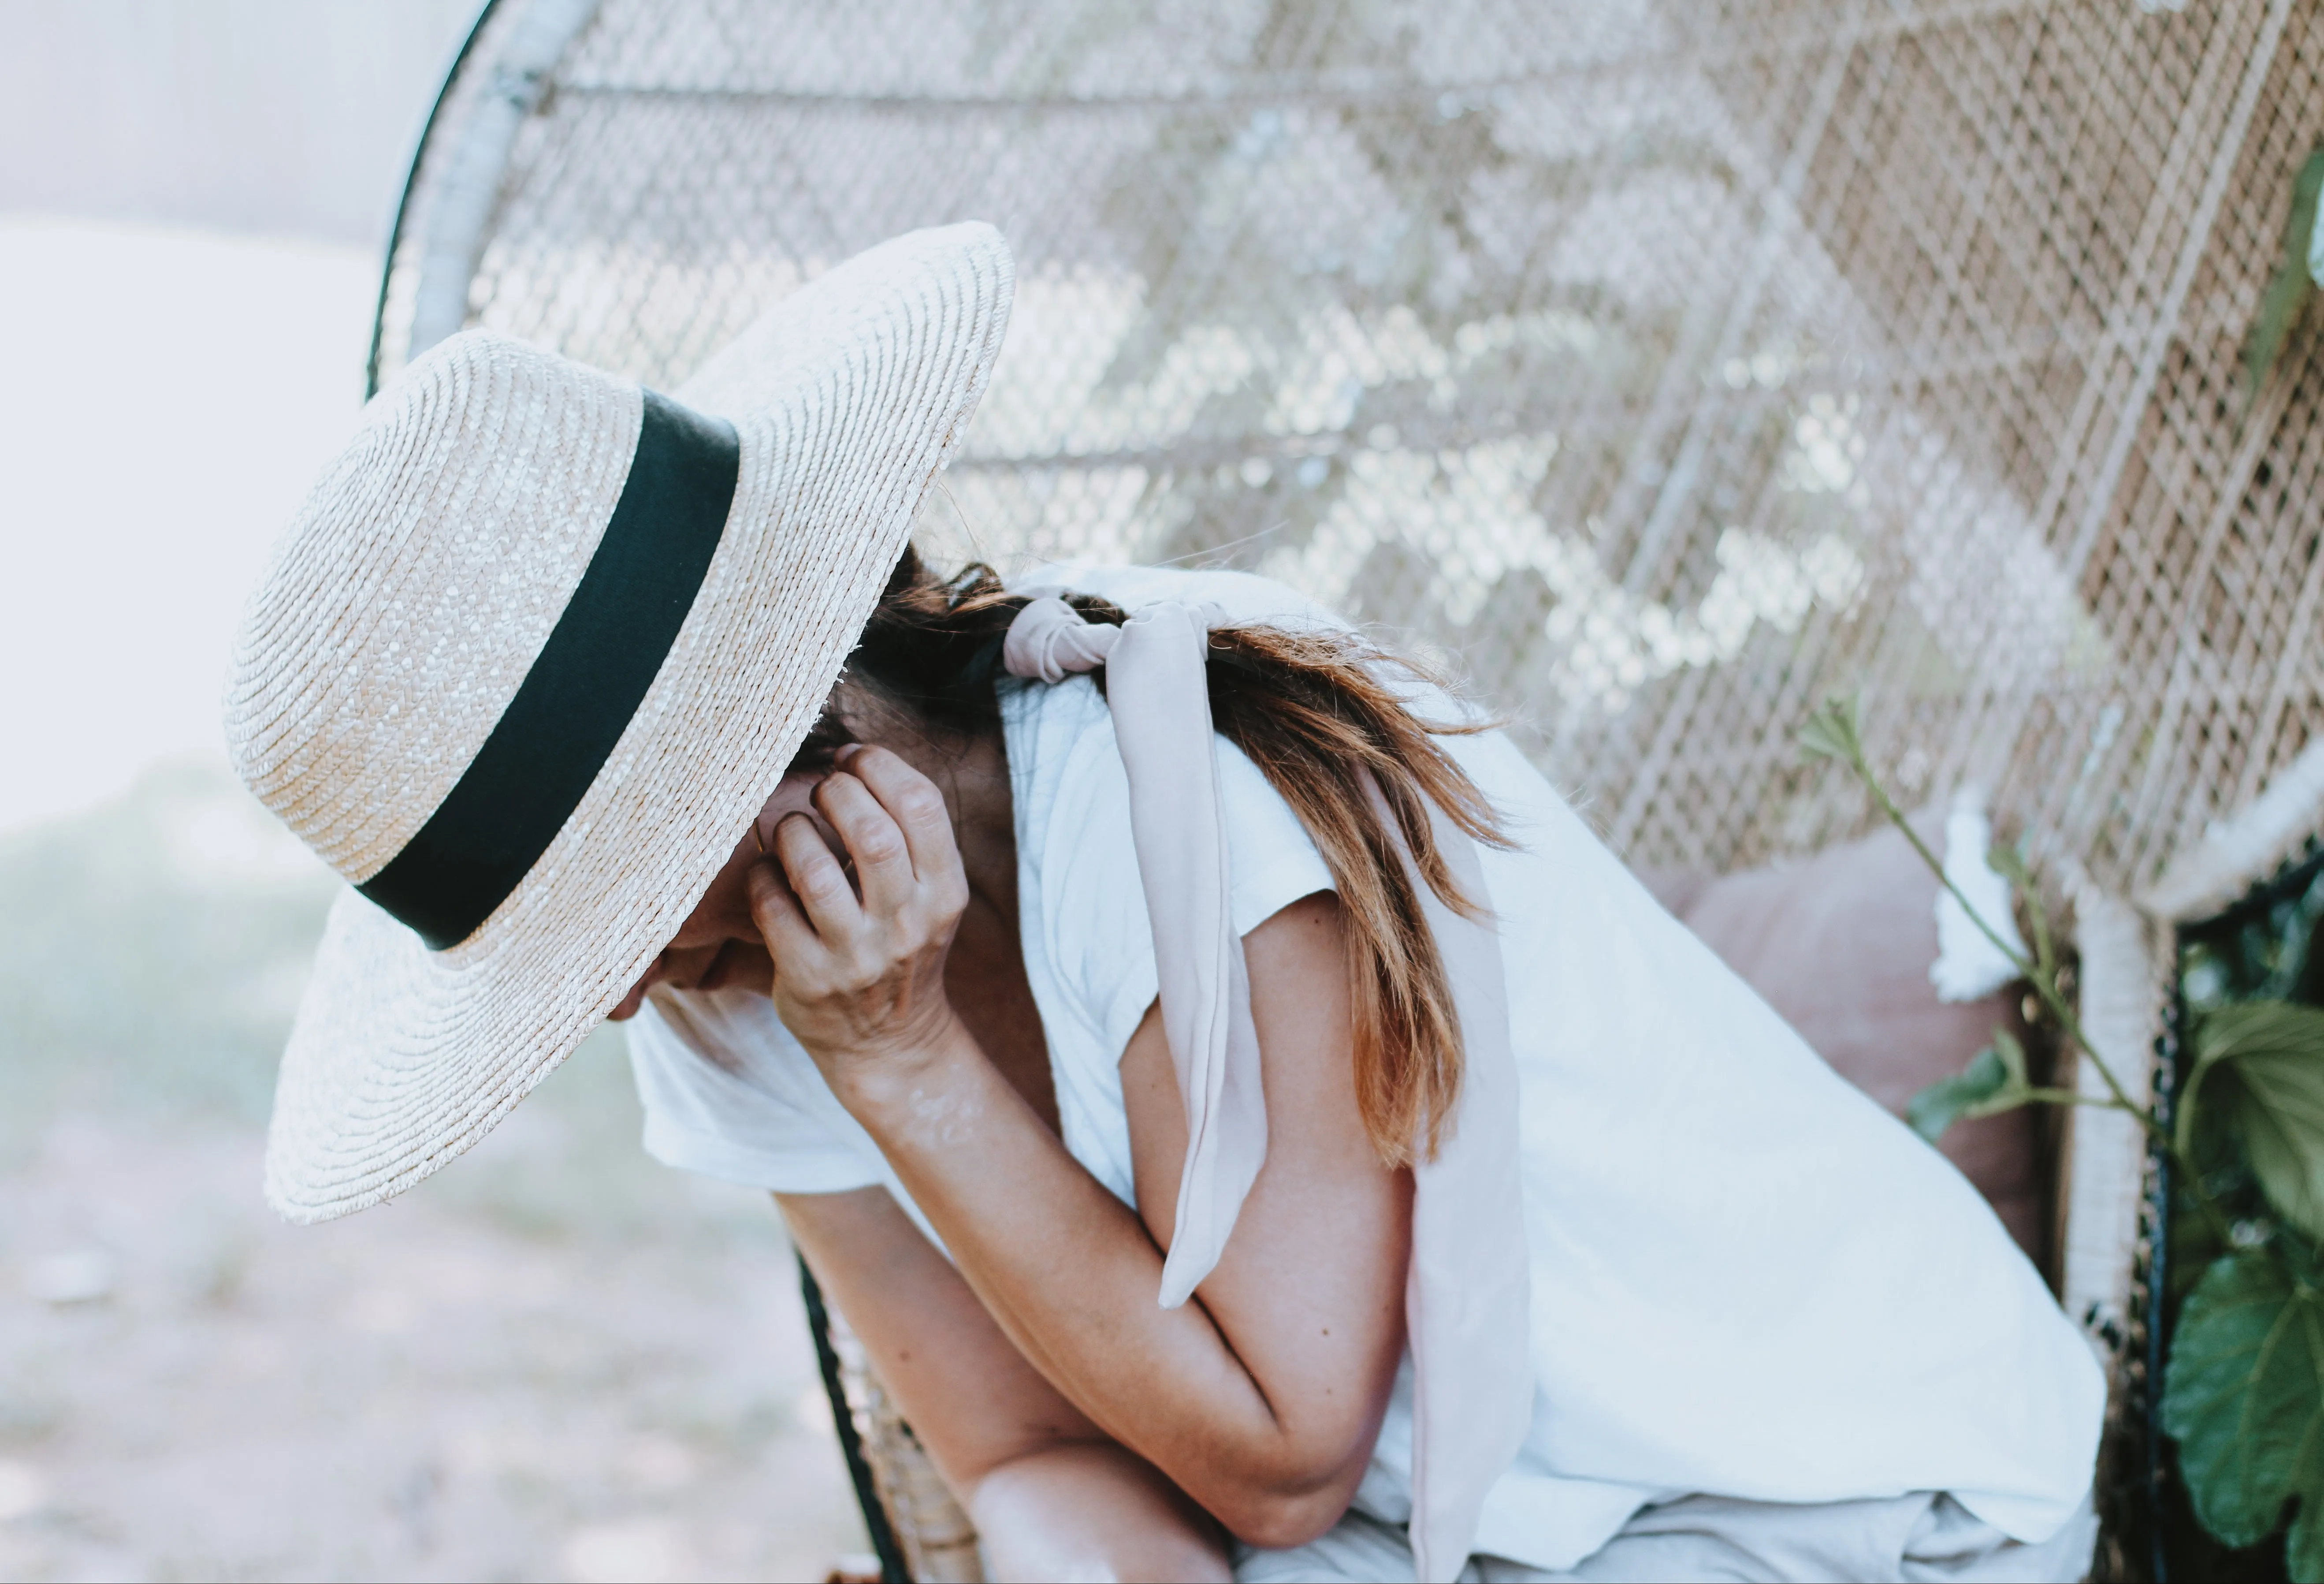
(1840, 945)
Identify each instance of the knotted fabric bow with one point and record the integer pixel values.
(1467, 1289)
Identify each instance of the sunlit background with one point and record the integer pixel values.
(556, 1360)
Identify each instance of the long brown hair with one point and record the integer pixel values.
(1315, 711)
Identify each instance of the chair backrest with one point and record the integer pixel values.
(1667, 364)
(1671, 364)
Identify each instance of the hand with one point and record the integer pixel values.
(859, 979)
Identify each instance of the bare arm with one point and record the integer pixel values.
(1052, 1497)
(1261, 1399)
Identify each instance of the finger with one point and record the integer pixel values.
(782, 923)
(884, 864)
(818, 881)
(916, 805)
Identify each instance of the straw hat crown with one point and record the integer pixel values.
(415, 588)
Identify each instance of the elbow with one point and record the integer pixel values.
(1279, 1520)
(1288, 1489)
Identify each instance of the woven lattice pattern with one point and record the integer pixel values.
(1668, 366)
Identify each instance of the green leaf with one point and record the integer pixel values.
(2259, 1074)
(2008, 863)
(2303, 1550)
(2316, 248)
(1830, 733)
(1993, 1082)
(2244, 1397)
(2012, 1054)
(2287, 294)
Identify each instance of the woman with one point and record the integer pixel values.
(1499, 1231)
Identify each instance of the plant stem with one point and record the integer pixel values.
(2046, 949)
(2076, 1098)
(2046, 984)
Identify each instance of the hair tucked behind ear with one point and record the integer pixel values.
(1312, 712)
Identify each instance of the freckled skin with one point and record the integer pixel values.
(1091, 1433)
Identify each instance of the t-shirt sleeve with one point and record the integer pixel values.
(1094, 904)
(728, 1093)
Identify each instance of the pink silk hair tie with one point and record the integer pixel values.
(1049, 641)
(1467, 1288)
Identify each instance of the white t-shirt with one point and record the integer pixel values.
(1748, 1279)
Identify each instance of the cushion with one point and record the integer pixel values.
(1840, 945)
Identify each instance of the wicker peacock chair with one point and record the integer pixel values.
(1671, 365)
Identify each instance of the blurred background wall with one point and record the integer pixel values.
(193, 197)
(556, 1360)
(281, 117)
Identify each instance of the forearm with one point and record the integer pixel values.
(1070, 1275)
(1092, 1511)
(973, 1400)
(1052, 1497)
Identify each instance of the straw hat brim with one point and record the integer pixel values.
(847, 397)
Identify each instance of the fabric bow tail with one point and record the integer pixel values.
(1157, 689)
(1468, 1290)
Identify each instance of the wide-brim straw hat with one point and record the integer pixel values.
(535, 650)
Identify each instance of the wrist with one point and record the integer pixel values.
(878, 1082)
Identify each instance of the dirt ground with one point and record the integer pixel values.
(551, 1362)
(554, 1359)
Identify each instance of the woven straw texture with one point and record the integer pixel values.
(1666, 366)
(408, 599)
